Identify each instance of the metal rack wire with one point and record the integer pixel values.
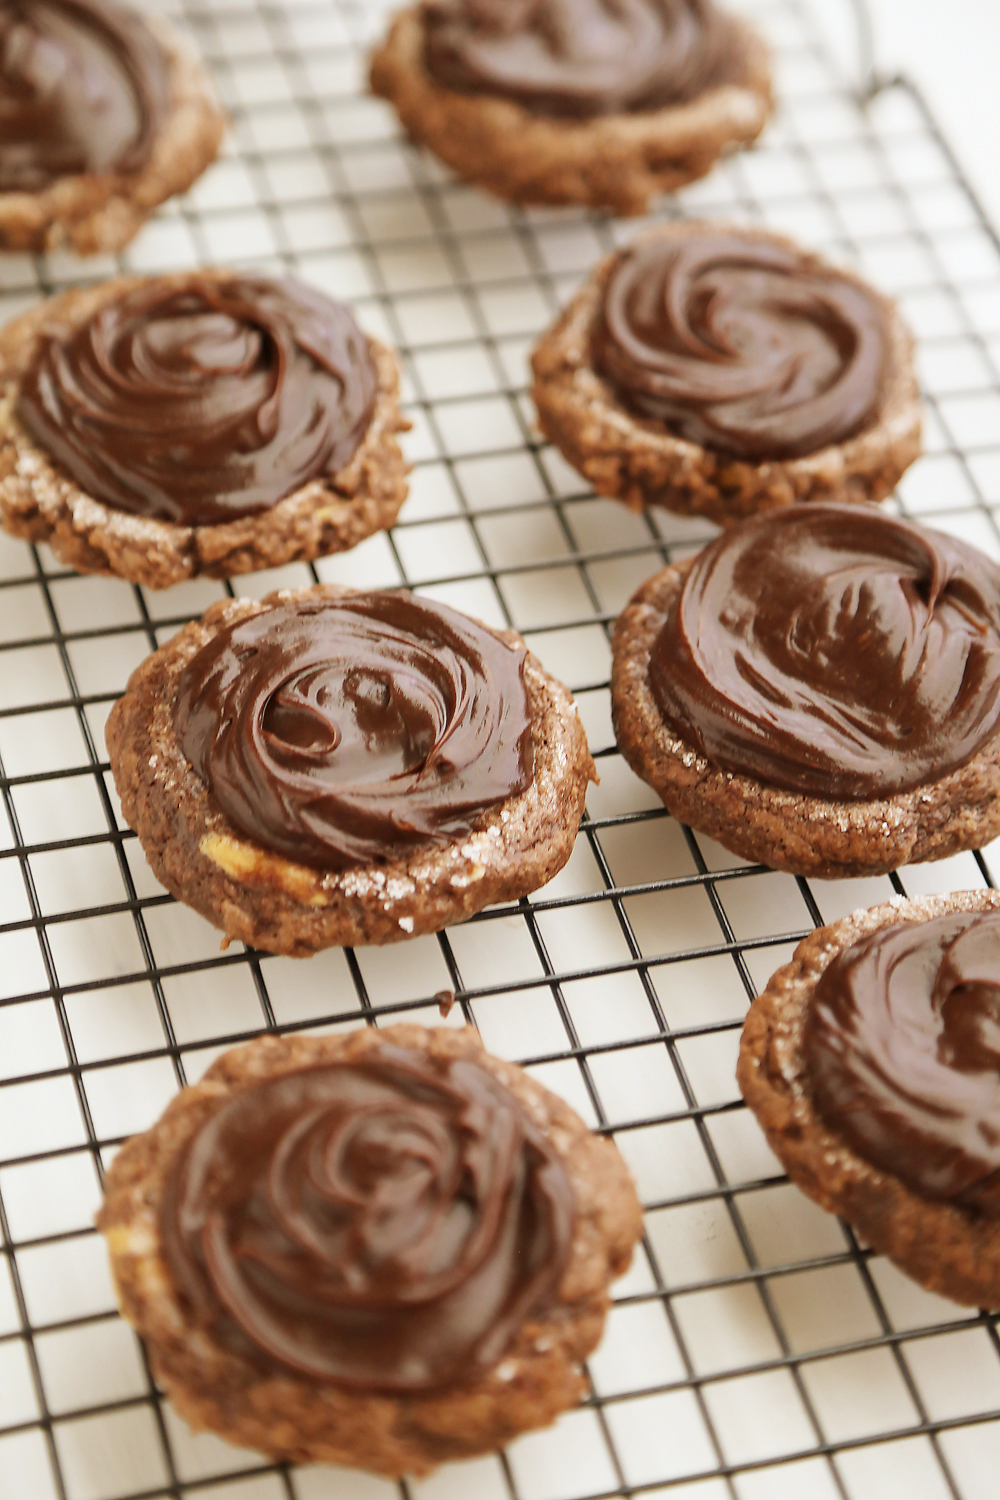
(756, 1349)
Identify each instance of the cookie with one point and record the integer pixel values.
(106, 113)
(871, 1064)
(205, 422)
(576, 101)
(331, 767)
(383, 1249)
(819, 689)
(718, 371)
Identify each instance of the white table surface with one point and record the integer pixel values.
(952, 52)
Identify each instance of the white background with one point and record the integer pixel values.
(951, 49)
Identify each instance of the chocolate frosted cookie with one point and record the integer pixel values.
(576, 101)
(383, 1249)
(205, 422)
(819, 689)
(719, 371)
(872, 1064)
(333, 767)
(104, 114)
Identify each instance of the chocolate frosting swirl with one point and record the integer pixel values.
(200, 399)
(740, 344)
(83, 88)
(833, 650)
(345, 731)
(581, 57)
(902, 1048)
(385, 1223)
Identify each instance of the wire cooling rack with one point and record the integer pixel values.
(755, 1351)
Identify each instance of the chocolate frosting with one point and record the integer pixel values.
(743, 345)
(902, 1048)
(581, 57)
(199, 399)
(385, 1223)
(833, 650)
(345, 731)
(83, 88)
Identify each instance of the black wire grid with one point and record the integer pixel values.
(756, 1351)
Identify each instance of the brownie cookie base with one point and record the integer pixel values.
(617, 162)
(946, 1248)
(791, 831)
(640, 462)
(302, 1421)
(94, 212)
(41, 503)
(270, 902)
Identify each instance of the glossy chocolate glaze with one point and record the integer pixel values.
(201, 400)
(581, 57)
(833, 650)
(83, 88)
(741, 345)
(347, 731)
(902, 1047)
(386, 1223)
